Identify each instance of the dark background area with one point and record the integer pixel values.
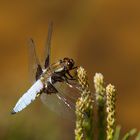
(102, 36)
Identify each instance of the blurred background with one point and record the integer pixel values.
(102, 36)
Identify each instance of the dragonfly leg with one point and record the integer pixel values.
(50, 88)
(71, 77)
(57, 78)
(74, 67)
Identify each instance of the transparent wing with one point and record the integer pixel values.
(34, 65)
(35, 69)
(63, 102)
(54, 103)
(47, 50)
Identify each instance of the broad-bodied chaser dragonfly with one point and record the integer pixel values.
(47, 79)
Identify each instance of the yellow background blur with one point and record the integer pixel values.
(102, 36)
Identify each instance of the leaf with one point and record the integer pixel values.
(129, 134)
(138, 136)
(117, 132)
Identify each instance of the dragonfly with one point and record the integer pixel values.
(50, 81)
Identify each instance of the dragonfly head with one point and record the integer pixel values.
(69, 63)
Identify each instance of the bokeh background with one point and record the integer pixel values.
(102, 36)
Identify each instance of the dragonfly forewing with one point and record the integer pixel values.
(34, 66)
(47, 51)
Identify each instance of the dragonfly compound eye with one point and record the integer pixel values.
(70, 63)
